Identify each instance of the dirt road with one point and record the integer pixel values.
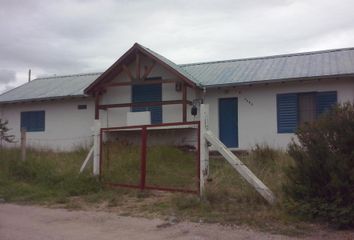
(32, 222)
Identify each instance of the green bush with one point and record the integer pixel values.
(321, 182)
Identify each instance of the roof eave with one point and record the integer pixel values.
(278, 80)
(44, 99)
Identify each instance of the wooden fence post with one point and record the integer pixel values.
(204, 151)
(96, 148)
(143, 158)
(23, 144)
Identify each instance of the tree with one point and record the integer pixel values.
(4, 135)
(321, 181)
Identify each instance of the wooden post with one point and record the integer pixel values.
(137, 74)
(97, 103)
(23, 144)
(184, 102)
(96, 148)
(143, 158)
(89, 155)
(204, 151)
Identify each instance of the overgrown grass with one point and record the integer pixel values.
(166, 166)
(45, 176)
(52, 178)
(230, 199)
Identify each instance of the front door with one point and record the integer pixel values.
(228, 122)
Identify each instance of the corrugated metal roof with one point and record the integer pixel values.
(274, 68)
(337, 62)
(50, 87)
(176, 67)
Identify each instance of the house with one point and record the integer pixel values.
(252, 100)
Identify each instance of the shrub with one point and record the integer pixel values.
(321, 182)
(4, 135)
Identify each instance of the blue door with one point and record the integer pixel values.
(228, 122)
(148, 93)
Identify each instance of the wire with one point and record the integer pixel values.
(59, 139)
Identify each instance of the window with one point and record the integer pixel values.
(294, 109)
(82, 106)
(307, 107)
(33, 121)
(148, 93)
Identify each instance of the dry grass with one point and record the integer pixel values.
(166, 166)
(229, 199)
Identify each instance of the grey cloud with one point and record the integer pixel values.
(59, 37)
(7, 76)
(6, 88)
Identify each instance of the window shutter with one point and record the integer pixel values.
(287, 112)
(33, 121)
(325, 100)
(40, 121)
(148, 93)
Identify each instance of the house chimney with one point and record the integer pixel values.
(29, 75)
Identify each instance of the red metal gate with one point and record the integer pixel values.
(143, 137)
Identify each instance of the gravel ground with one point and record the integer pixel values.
(37, 223)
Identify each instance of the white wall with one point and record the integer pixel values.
(66, 127)
(257, 120)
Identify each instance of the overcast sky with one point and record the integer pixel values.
(77, 36)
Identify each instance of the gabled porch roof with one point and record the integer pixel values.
(130, 56)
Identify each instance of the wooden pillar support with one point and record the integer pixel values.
(184, 102)
(96, 147)
(137, 74)
(97, 110)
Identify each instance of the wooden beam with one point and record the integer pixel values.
(142, 104)
(241, 168)
(97, 110)
(89, 155)
(117, 84)
(184, 102)
(127, 71)
(137, 75)
(148, 70)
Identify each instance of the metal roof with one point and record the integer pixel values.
(50, 87)
(336, 62)
(173, 65)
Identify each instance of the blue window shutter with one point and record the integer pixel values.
(148, 93)
(33, 121)
(325, 100)
(287, 112)
(39, 121)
